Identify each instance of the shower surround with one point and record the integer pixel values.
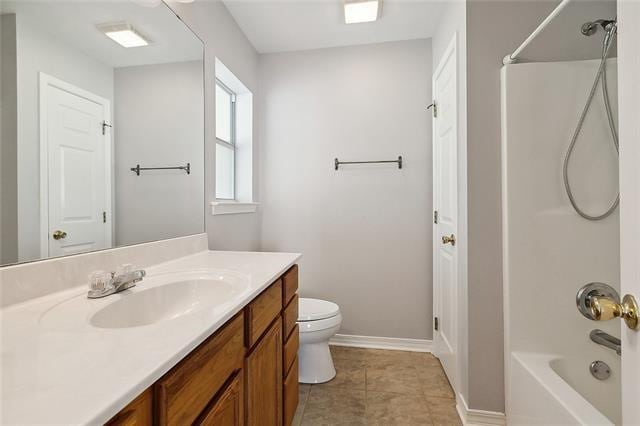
(549, 250)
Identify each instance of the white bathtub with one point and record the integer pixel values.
(540, 393)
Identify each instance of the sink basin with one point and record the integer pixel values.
(158, 298)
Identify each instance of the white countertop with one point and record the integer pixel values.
(54, 374)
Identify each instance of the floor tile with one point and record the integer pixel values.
(434, 382)
(334, 406)
(303, 394)
(345, 352)
(382, 358)
(350, 373)
(395, 409)
(443, 412)
(380, 387)
(393, 378)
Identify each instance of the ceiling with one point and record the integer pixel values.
(287, 25)
(73, 23)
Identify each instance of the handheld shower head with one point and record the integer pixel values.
(590, 28)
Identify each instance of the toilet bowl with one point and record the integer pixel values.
(318, 321)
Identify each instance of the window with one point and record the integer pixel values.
(225, 142)
(234, 145)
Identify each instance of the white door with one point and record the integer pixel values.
(75, 169)
(629, 107)
(445, 202)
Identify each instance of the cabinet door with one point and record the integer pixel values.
(137, 413)
(264, 379)
(228, 408)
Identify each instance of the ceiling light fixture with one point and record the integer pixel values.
(123, 34)
(357, 11)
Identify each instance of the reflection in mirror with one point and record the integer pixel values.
(96, 96)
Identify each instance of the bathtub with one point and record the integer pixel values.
(540, 393)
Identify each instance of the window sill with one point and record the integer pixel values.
(232, 207)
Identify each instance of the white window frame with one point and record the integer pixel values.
(232, 143)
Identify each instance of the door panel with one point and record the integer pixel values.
(445, 193)
(78, 166)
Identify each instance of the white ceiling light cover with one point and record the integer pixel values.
(356, 12)
(123, 34)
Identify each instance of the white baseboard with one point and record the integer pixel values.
(472, 417)
(391, 343)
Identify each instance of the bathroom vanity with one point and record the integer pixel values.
(247, 370)
(210, 338)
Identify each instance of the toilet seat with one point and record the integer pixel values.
(316, 310)
(318, 325)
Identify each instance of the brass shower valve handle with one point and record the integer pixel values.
(605, 308)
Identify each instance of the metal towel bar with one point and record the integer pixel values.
(137, 169)
(399, 161)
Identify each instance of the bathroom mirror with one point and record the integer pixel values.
(102, 127)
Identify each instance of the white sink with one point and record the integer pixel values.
(158, 298)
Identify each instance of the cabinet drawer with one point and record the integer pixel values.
(291, 393)
(184, 392)
(290, 316)
(289, 284)
(138, 413)
(262, 311)
(228, 407)
(291, 349)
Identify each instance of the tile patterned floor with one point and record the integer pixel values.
(378, 387)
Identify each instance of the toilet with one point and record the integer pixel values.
(318, 321)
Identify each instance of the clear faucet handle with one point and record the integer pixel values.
(99, 280)
(123, 269)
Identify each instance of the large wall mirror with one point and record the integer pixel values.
(102, 127)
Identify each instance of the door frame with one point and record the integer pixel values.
(629, 175)
(46, 81)
(450, 54)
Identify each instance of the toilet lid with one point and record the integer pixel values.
(316, 309)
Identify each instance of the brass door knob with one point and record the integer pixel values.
(605, 308)
(58, 235)
(449, 239)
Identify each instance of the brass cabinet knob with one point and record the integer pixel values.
(58, 235)
(605, 308)
(449, 239)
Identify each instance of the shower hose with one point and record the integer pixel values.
(601, 76)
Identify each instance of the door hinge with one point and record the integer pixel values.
(104, 126)
(435, 323)
(435, 216)
(104, 217)
(434, 108)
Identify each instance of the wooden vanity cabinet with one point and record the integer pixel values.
(138, 412)
(246, 373)
(263, 369)
(291, 342)
(184, 392)
(227, 409)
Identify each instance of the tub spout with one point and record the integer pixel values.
(605, 339)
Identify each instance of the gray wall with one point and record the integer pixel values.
(40, 52)
(8, 142)
(158, 121)
(356, 103)
(223, 39)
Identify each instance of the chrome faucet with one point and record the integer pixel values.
(103, 284)
(605, 339)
